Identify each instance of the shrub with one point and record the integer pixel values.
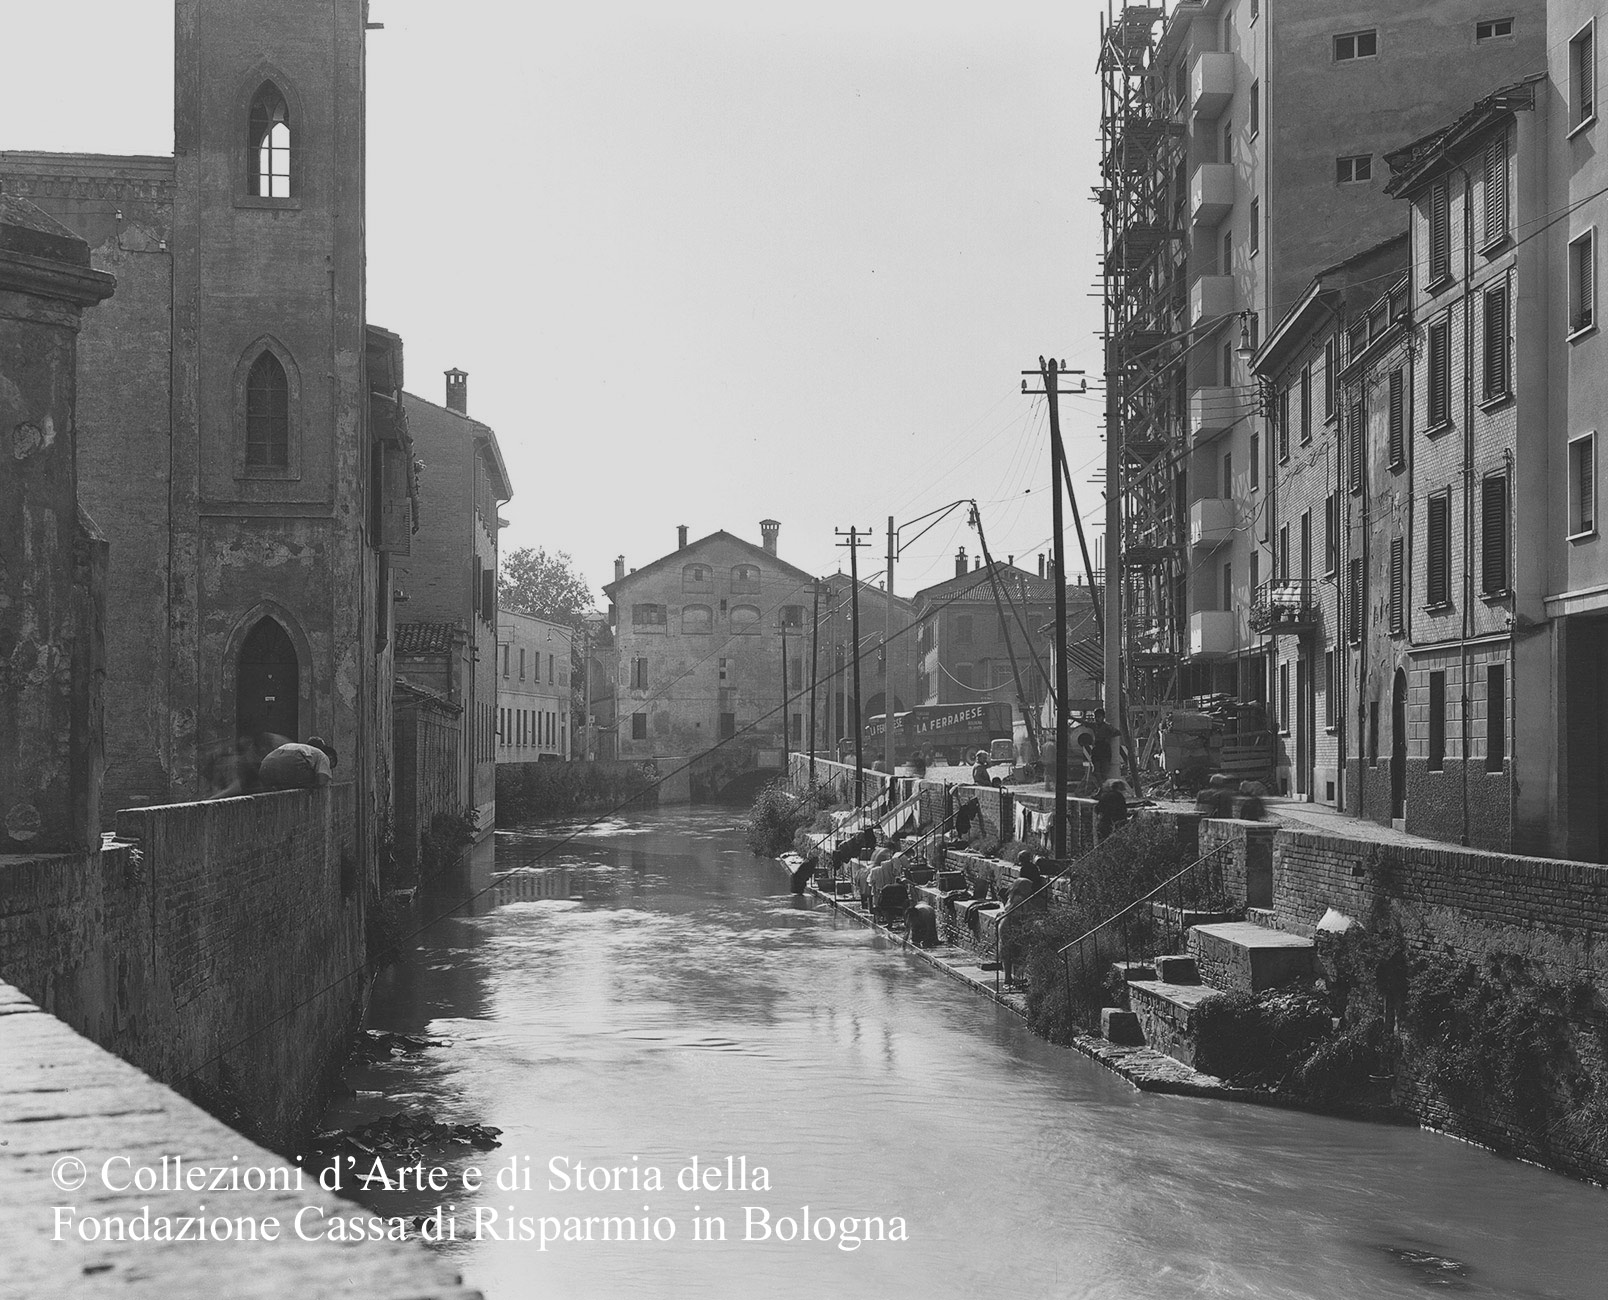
(1259, 1037)
(778, 816)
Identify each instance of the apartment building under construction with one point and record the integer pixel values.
(1243, 147)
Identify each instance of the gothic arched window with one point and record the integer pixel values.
(267, 415)
(268, 144)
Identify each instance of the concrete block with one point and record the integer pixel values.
(1177, 970)
(1121, 1027)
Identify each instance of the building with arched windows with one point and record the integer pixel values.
(242, 442)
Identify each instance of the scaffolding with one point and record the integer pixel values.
(1144, 201)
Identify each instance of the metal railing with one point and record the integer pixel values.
(1140, 923)
(1283, 605)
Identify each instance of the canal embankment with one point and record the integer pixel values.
(1460, 988)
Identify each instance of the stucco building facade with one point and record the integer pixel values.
(533, 689)
(698, 639)
(450, 575)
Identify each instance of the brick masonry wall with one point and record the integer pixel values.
(1463, 905)
(221, 950)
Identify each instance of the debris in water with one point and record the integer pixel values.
(401, 1137)
(1432, 1270)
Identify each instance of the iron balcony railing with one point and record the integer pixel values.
(1284, 605)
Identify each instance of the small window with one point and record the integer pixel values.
(1494, 216)
(1494, 535)
(1583, 282)
(697, 620)
(1583, 486)
(1437, 721)
(639, 726)
(550, 670)
(1255, 113)
(1351, 168)
(639, 674)
(745, 579)
(505, 659)
(1438, 552)
(1583, 77)
(745, 620)
(649, 615)
(267, 415)
(1398, 586)
(1440, 374)
(1493, 29)
(1439, 212)
(1356, 45)
(1398, 419)
(1256, 226)
(1496, 343)
(695, 577)
(521, 664)
(1495, 716)
(268, 145)
(793, 616)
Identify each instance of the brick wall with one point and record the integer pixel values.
(221, 950)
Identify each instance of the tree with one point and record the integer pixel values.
(534, 582)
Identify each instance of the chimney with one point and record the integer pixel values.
(1041, 564)
(619, 567)
(681, 537)
(960, 562)
(1010, 561)
(458, 391)
(768, 528)
(977, 563)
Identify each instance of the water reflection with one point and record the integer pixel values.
(646, 992)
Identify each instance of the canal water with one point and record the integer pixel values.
(648, 994)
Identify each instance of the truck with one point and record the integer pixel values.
(941, 733)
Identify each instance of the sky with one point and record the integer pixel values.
(706, 263)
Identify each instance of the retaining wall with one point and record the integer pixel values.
(217, 946)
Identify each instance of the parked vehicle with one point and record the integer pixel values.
(942, 733)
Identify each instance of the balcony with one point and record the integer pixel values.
(1211, 521)
(1212, 634)
(1211, 193)
(1285, 605)
(1212, 297)
(1212, 411)
(1211, 84)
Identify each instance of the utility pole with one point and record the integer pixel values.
(887, 661)
(815, 670)
(1050, 371)
(1115, 718)
(855, 542)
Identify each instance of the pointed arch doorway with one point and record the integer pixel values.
(268, 683)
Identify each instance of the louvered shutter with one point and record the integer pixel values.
(1439, 374)
(1354, 449)
(1440, 233)
(1588, 288)
(1493, 534)
(1398, 419)
(1496, 342)
(1588, 74)
(1439, 549)
(1496, 213)
(1284, 424)
(1398, 584)
(1356, 600)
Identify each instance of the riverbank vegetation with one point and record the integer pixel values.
(527, 792)
(779, 815)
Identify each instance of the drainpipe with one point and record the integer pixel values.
(1468, 471)
(1511, 462)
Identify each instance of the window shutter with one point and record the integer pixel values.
(1496, 341)
(1439, 523)
(1398, 584)
(1356, 600)
(1354, 449)
(1588, 74)
(1588, 519)
(1440, 233)
(1306, 403)
(1398, 419)
(1439, 374)
(1494, 534)
(1284, 424)
(1588, 289)
(396, 509)
(1496, 219)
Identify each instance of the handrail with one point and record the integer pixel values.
(1145, 898)
(999, 928)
